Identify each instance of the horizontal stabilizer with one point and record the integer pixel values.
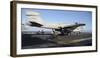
(35, 24)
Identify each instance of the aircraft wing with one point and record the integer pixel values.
(72, 27)
(68, 28)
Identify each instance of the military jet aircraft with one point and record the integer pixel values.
(35, 20)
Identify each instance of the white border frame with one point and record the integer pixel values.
(51, 50)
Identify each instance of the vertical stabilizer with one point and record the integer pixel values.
(34, 17)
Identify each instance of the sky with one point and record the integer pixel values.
(54, 16)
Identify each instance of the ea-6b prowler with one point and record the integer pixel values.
(35, 20)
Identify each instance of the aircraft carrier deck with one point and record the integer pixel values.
(30, 41)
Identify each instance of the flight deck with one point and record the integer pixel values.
(30, 41)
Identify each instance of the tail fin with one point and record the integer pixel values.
(34, 18)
